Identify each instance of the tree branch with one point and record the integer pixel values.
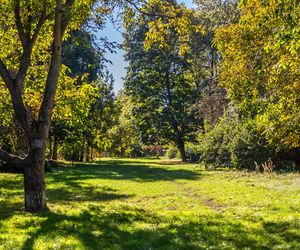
(16, 96)
(153, 14)
(27, 50)
(53, 74)
(19, 25)
(5, 75)
(61, 22)
(65, 20)
(11, 159)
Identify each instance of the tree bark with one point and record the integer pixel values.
(55, 148)
(87, 159)
(81, 159)
(34, 172)
(181, 147)
(34, 176)
(122, 151)
(50, 148)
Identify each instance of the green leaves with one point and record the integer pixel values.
(172, 21)
(261, 66)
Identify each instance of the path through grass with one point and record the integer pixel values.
(149, 204)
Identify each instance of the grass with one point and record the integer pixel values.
(151, 204)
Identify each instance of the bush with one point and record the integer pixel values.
(233, 142)
(172, 153)
(192, 152)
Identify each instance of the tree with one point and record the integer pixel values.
(31, 23)
(159, 79)
(210, 14)
(124, 133)
(75, 122)
(260, 69)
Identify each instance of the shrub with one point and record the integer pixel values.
(172, 153)
(192, 152)
(233, 142)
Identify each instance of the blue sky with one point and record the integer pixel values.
(118, 64)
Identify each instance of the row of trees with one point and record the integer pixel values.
(227, 87)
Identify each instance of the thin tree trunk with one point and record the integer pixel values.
(122, 151)
(81, 159)
(181, 147)
(55, 148)
(87, 159)
(50, 148)
(91, 156)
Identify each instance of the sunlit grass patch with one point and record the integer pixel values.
(143, 204)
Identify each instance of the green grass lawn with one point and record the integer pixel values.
(151, 204)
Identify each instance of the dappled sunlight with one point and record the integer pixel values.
(142, 204)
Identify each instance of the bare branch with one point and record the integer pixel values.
(10, 158)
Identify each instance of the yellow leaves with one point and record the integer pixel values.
(261, 66)
(173, 22)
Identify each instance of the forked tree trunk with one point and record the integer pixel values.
(36, 129)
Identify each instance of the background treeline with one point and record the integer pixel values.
(226, 93)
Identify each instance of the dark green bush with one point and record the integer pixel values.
(233, 142)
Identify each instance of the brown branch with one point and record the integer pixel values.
(27, 50)
(5, 75)
(11, 159)
(60, 25)
(153, 14)
(53, 74)
(65, 20)
(16, 97)
(19, 24)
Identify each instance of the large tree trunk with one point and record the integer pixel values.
(181, 147)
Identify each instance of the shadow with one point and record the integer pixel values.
(121, 170)
(287, 231)
(106, 226)
(11, 196)
(80, 194)
(97, 228)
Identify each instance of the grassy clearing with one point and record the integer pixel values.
(149, 204)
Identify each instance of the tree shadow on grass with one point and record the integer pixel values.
(11, 197)
(132, 228)
(80, 194)
(122, 170)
